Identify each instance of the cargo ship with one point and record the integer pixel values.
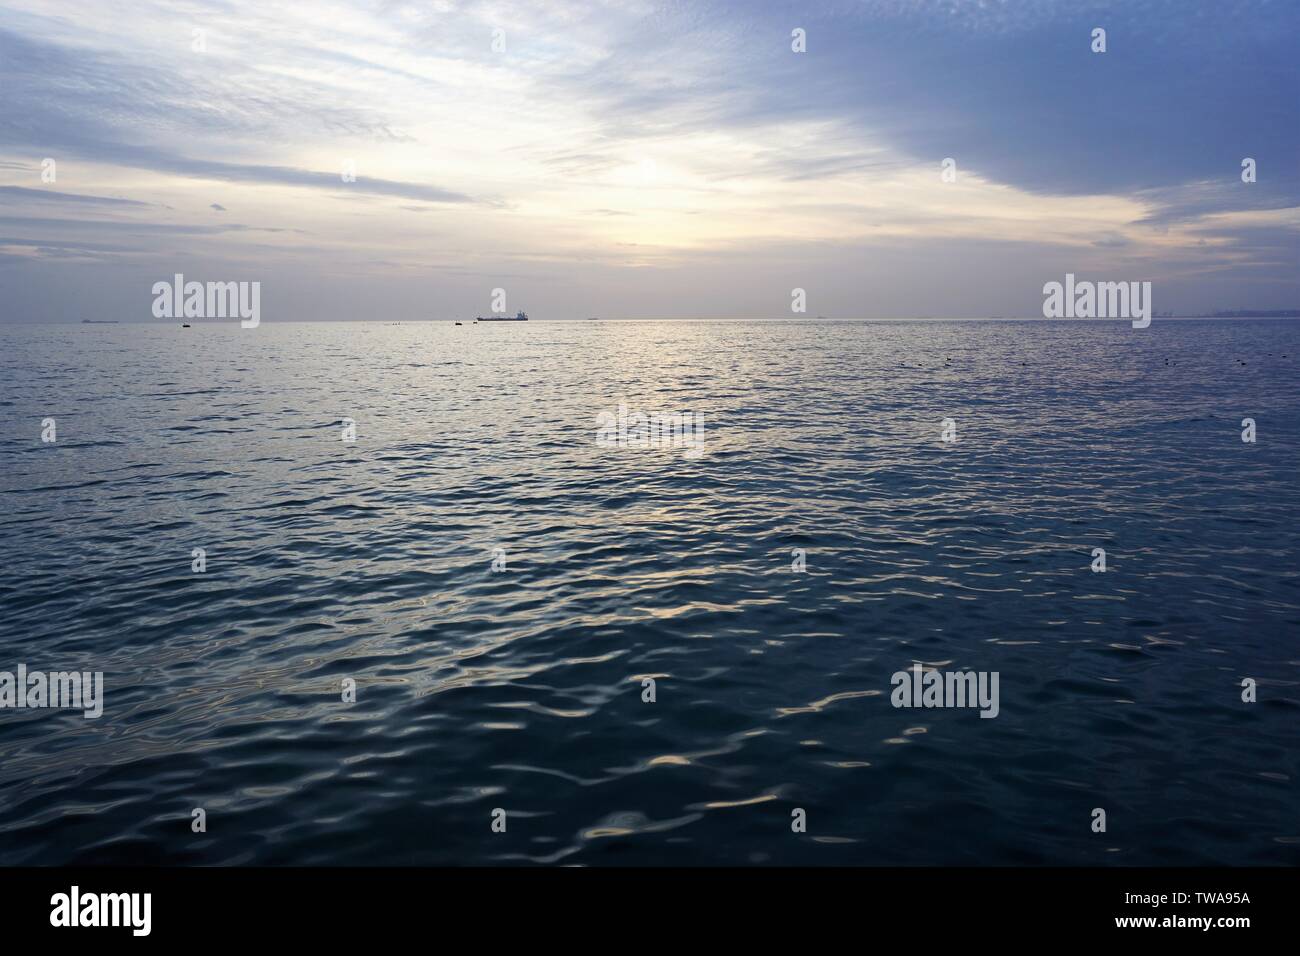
(517, 317)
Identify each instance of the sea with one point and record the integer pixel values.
(398, 593)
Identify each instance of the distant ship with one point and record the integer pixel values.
(518, 317)
(99, 321)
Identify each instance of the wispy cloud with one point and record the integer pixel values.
(22, 194)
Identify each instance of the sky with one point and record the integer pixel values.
(644, 159)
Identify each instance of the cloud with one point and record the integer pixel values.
(252, 173)
(11, 194)
(1021, 101)
(76, 102)
(137, 227)
(1112, 242)
(655, 137)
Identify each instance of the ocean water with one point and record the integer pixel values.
(522, 688)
